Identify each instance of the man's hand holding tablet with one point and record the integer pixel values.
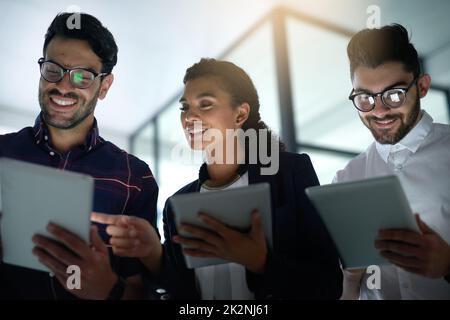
(424, 253)
(97, 277)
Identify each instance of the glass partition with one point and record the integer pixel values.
(327, 126)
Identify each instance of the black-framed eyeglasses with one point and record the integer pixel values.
(391, 98)
(80, 78)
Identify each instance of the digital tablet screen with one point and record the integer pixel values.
(354, 212)
(34, 195)
(233, 207)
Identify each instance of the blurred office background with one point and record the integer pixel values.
(295, 51)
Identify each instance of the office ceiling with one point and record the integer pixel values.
(159, 39)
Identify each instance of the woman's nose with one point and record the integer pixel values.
(191, 116)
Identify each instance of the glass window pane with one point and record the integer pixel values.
(143, 146)
(178, 164)
(435, 103)
(256, 56)
(324, 115)
(326, 163)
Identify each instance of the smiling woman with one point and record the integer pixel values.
(218, 95)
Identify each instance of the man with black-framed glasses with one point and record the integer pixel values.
(387, 88)
(76, 71)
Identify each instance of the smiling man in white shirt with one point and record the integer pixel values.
(387, 88)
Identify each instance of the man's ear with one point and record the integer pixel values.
(105, 85)
(423, 85)
(242, 114)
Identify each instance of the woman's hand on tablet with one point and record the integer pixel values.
(248, 249)
(132, 237)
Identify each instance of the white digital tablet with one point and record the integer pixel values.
(354, 212)
(34, 195)
(232, 207)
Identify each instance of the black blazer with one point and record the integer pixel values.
(304, 263)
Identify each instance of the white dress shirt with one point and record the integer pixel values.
(421, 160)
(225, 281)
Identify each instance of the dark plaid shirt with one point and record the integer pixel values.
(123, 185)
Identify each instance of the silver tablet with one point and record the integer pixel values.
(34, 195)
(232, 207)
(354, 212)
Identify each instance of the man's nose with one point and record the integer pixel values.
(380, 109)
(64, 85)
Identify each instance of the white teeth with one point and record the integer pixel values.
(195, 131)
(386, 121)
(62, 102)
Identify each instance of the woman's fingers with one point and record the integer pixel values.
(104, 218)
(123, 252)
(120, 232)
(195, 244)
(202, 234)
(126, 243)
(198, 253)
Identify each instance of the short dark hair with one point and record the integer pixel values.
(238, 84)
(99, 37)
(373, 47)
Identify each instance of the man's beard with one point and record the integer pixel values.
(86, 109)
(384, 136)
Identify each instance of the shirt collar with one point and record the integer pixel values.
(411, 141)
(42, 134)
(204, 175)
